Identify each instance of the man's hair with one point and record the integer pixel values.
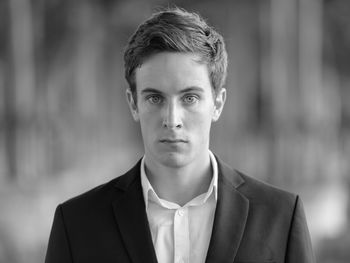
(176, 30)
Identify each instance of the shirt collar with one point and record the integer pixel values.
(147, 188)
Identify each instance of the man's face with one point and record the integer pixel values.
(175, 108)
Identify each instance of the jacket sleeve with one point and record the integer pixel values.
(299, 248)
(58, 250)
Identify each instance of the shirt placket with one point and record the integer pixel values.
(181, 236)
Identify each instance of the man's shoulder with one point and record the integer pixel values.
(104, 193)
(90, 198)
(260, 187)
(263, 193)
(254, 189)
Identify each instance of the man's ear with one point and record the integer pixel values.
(132, 105)
(219, 103)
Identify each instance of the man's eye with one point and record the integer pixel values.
(154, 99)
(190, 99)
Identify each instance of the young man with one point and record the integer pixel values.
(179, 203)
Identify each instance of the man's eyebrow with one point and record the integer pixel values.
(185, 90)
(191, 89)
(150, 90)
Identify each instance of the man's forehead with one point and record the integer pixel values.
(166, 69)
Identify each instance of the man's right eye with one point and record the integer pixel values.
(154, 99)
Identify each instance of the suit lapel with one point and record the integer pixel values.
(230, 217)
(131, 217)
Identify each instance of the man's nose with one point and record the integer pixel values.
(172, 116)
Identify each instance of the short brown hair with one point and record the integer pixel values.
(176, 30)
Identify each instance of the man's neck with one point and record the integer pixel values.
(180, 185)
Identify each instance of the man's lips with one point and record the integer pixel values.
(170, 140)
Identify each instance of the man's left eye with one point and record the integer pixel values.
(190, 99)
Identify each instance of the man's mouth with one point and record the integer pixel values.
(174, 141)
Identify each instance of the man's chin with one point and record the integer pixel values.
(174, 160)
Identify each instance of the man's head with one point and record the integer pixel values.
(176, 30)
(176, 67)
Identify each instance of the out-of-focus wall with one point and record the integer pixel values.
(65, 125)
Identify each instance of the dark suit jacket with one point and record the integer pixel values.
(254, 222)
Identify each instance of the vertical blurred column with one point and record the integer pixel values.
(310, 42)
(9, 124)
(89, 37)
(321, 98)
(22, 43)
(310, 60)
(20, 94)
(3, 159)
(283, 60)
(283, 88)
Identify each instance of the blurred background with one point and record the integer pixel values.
(65, 126)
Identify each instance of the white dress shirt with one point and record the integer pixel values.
(181, 234)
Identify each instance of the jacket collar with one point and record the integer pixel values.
(229, 221)
(230, 217)
(130, 214)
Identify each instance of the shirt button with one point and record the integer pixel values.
(180, 212)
